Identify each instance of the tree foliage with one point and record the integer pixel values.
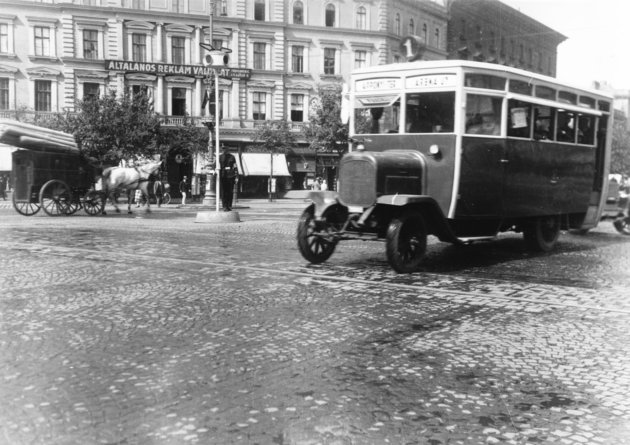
(325, 130)
(274, 137)
(620, 156)
(111, 128)
(186, 139)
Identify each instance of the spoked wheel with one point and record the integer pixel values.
(542, 234)
(93, 203)
(166, 198)
(406, 242)
(72, 208)
(25, 207)
(622, 225)
(313, 243)
(55, 197)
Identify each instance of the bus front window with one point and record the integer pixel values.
(377, 120)
(430, 112)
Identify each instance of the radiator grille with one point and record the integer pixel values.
(357, 182)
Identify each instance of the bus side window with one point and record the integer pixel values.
(483, 114)
(566, 126)
(519, 119)
(586, 130)
(543, 123)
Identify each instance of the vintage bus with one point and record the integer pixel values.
(462, 150)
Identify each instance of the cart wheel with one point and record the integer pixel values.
(542, 234)
(406, 242)
(622, 225)
(55, 198)
(313, 247)
(93, 203)
(166, 198)
(26, 208)
(72, 207)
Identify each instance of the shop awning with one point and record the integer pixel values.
(259, 164)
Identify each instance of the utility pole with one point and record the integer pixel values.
(210, 198)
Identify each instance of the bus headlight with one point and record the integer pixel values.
(434, 150)
(360, 147)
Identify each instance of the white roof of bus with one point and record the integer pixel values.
(494, 68)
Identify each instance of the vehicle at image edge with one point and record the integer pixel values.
(49, 171)
(462, 150)
(617, 205)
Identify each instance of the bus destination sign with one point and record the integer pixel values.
(432, 81)
(377, 84)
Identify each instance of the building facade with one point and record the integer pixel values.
(55, 52)
(491, 31)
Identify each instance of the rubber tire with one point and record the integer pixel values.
(313, 248)
(622, 225)
(542, 234)
(406, 242)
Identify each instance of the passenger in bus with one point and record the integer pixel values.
(541, 129)
(483, 124)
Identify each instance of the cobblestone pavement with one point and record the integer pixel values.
(151, 329)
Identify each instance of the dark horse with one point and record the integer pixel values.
(129, 179)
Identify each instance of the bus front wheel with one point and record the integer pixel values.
(406, 242)
(542, 234)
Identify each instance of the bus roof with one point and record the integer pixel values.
(493, 68)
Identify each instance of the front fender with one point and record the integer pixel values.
(323, 200)
(403, 200)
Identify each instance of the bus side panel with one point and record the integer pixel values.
(545, 178)
(481, 178)
(575, 171)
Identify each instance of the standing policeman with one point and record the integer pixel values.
(227, 174)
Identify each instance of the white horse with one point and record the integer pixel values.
(129, 179)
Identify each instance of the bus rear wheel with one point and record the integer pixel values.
(542, 234)
(406, 242)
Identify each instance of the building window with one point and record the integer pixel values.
(259, 55)
(329, 60)
(330, 16)
(437, 37)
(178, 50)
(139, 47)
(178, 102)
(297, 108)
(223, 7)
(217, 44)
(4, 94)
(412, 27)
(360, 59)
(4, 38)
(298, 13)
(397, 25)
(297, 59)
(90, 44)
(424, 33)
(137, 4)
(178, 6)
(91, 91)
(42, 41)
(361, 18)
(259, 10)
(259, 107)
(43, 95)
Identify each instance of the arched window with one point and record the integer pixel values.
(361, 18)
(330, 15)
(298, 13)
(412, 27)
(397, 24)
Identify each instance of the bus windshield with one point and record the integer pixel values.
(425, 113)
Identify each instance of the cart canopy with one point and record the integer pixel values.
(32, 137)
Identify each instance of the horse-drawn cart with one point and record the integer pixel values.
(49, 172)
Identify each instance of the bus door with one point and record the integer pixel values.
(482, 169)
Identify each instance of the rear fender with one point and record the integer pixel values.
(323, 200)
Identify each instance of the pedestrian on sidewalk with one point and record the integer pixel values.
(184, 189)
(228, 174)
(3, 187)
